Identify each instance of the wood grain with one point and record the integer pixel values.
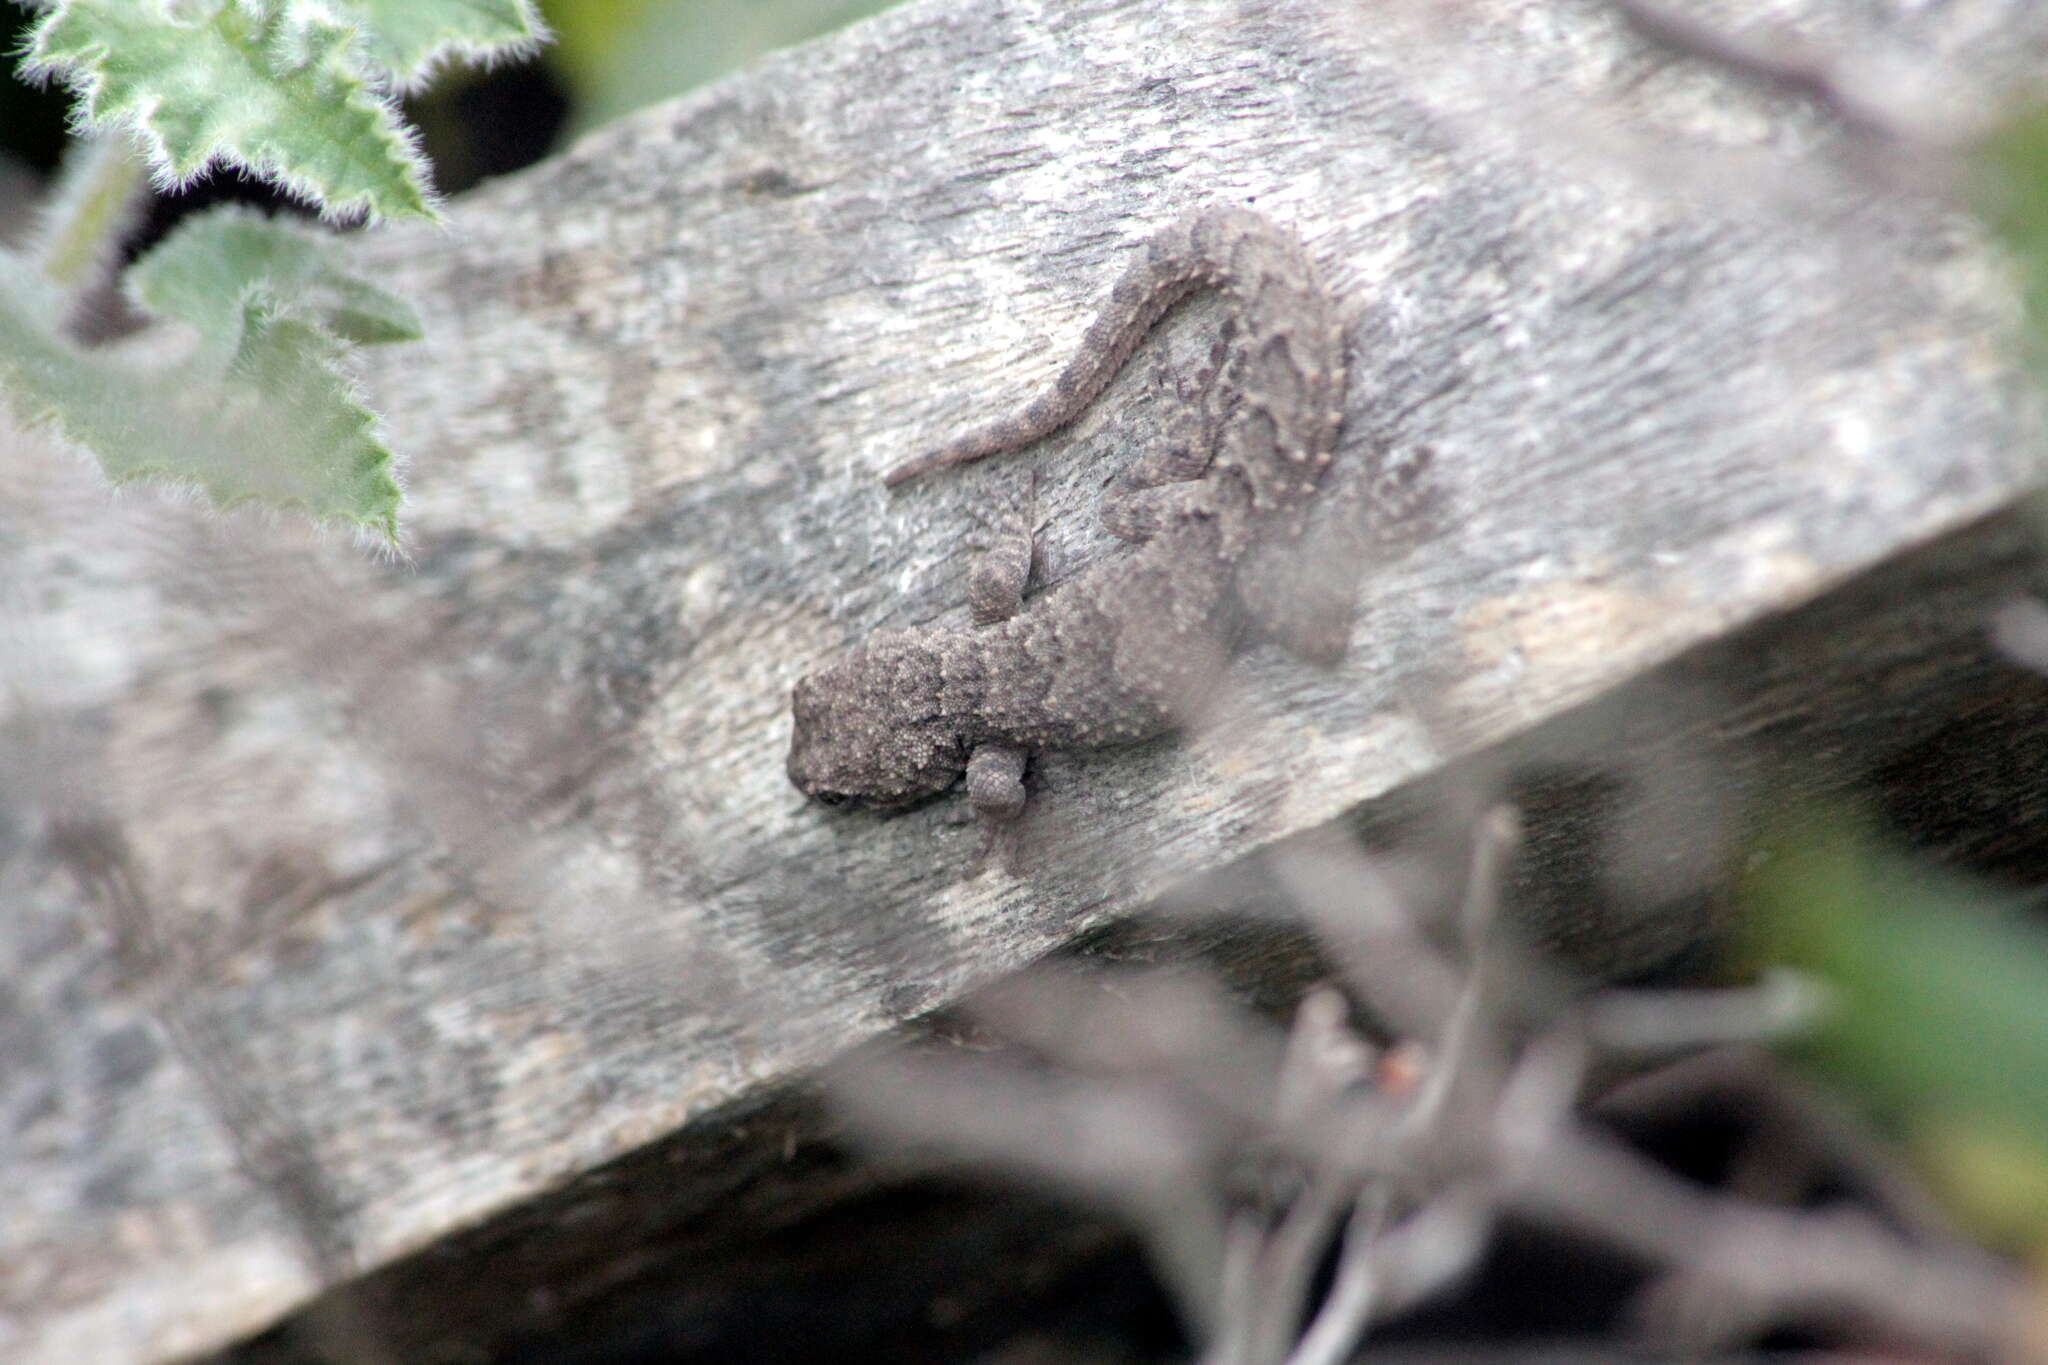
(351, 902)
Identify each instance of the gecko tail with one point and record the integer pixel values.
(1210, 247)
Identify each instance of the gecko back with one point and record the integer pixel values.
(1128, 649)
(1283, 371)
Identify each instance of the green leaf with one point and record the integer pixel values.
(279, 424)
(623, 56)
(410, 38)
(202, 272)
(2010, 181)
(1940, 1022)
(589, 32)
(1994, 1175)
(1942, 988)
(283, 91)
(100, 189)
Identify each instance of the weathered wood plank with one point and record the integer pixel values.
(352, 902)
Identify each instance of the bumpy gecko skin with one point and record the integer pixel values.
(1129, 649)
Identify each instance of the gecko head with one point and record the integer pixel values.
(866, 731)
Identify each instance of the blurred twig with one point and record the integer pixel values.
(1784, 64)
(1249, 1157)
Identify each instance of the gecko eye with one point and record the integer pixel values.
(832, 798)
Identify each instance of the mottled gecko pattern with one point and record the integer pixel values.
(1129, 649)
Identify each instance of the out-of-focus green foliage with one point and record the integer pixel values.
(1941, 1018)
(623, 56)
(1994, 1176)
(589, 34)
(88, 212)
(2010, 184)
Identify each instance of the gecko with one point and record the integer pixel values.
(1130, 648)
